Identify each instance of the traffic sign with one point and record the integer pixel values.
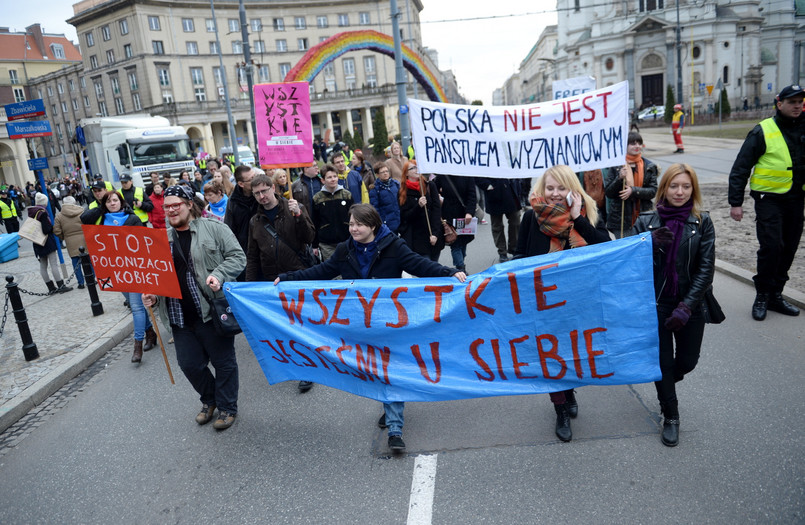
(403, 109)
(40, 163)
(709, 89)
(24, 130)
(26, 109)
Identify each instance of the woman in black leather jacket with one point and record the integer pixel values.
(683, 272)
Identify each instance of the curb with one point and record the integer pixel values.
(793, 296)
(46, 386)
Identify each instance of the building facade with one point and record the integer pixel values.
(753, 47)
(161, 57)
(24, 56)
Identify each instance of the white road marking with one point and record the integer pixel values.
(420, 505)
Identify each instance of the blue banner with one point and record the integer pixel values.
(541, 324)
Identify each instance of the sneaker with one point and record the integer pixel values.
(382, 421)
(503, 258)
(304, 386)
(396, 444)
(81, 286)
(224, 421)
(205, 415)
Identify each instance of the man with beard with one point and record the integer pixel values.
(201, 272)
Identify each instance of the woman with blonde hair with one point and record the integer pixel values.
(684, 264)
(223, 175)
(562, 217)
(281, 185)
(395, 162)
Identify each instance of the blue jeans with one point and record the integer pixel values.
(79, 274)
(459, 251)
(141, 320)
(198, 345)
(394, 417)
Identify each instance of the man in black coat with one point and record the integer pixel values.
(241, 207)
(502, 198)
(774, 154)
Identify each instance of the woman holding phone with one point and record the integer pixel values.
(562, 217)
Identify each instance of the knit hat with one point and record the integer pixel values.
(68, 200)
(41, 199)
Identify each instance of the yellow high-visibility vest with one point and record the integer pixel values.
(773, 172)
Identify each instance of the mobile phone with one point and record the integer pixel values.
(569, 200)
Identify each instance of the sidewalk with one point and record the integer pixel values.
(66, 334)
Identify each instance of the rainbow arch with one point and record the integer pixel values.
(325, 52)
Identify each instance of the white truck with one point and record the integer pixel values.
(136, 144)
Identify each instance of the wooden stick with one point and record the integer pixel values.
(161, 344)
(623, 209)
(427, 219)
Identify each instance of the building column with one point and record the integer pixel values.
(628, 59)
(22, 173)
(329, 119)
(207, 139)
(250, 131)
(670, 71)
(368, 130)
(348, 113)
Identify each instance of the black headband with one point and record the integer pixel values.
(180, 191)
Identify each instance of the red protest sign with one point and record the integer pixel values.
(132, 259)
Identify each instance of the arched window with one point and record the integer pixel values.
(725, 78)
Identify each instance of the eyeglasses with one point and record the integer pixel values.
(412, 168)
(172, 207)
(262, 192)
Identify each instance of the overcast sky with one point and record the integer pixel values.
(481, 53)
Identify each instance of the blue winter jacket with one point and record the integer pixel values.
(385, 198)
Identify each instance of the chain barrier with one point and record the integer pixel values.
(46, 294)
(5, 316)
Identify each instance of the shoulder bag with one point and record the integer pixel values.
(711, 310)
(31, 229)
(305, 254)
(223, 320)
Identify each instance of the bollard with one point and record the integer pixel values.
(28, 346)
(89, 277)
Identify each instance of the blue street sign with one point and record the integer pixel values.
(26, 109)
(24, 130)
(40, 163)
(403, 109)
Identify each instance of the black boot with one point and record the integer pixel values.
(137, 355)
(781, 306)
(570, 403)
(670, 426)
(51, 287)
(150, 339)
(563, 431)
(760, 306)
(61, 288)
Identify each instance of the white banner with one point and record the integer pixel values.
(585, 132)
(570, 87)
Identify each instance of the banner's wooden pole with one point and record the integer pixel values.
(427, 219)
(623, 209)
(161, 344)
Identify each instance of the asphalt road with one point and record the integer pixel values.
(123, 447)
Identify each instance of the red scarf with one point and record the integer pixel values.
(413, 185)
(555, 222)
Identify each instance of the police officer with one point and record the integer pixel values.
(8, 211)
(135, 197)
(776, 150)
(107, 184)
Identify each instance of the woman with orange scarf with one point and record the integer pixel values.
(553, 224)
(630, 188)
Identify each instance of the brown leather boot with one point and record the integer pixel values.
(137, 356)
(150, 339)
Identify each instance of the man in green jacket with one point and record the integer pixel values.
(206, 254)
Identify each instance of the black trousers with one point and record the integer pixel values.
(779, 228)
(679, 354)
(200, 345)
